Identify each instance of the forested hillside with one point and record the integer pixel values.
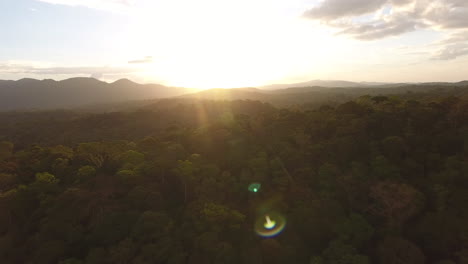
(76, 92)
(376, 179)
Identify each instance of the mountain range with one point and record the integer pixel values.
(38, 94)
(323, 83)
(30, 94)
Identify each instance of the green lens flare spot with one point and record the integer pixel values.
(254, 187)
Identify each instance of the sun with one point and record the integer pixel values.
(200, 48)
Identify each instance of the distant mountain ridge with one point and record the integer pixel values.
(315, 94)
(322, 83)
(347, 84)
(47, 94)
(31, 94)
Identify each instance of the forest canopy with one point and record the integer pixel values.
(376, 179)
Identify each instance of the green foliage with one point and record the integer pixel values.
(396, 202)
(152, 226)
(127, 176)
(61, 151)
(86, 172)
(381, 177)
(7, 181)
(446, 261)
(339, 253)
(394, 148)
(317, 260)
(71, 261)
(133, 158)
(45, 177)
(397, 250)
(6, 149)
(383, 169)
(355, 230)
(218, 216)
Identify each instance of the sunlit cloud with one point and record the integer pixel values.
(391, 26)
(374, 19)
(147, 59)
(379, 19)
(452, 47)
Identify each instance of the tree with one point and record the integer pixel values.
(271, 251)
(45, 177)
(132, 158)
(152, 226)
(101, 154)
(86, 172)
(355, 231)
(383, 169)
(128, 177)
(7, 181)
(394, 148)
(395, 250)
(185, 171)
(396, 202)
(6, 149)
(340, 253)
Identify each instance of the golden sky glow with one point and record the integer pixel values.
(223, 44)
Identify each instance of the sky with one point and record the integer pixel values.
(235, 43)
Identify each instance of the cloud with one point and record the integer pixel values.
(147, 59)
(117, 6)
(394, 25)
(334, 9)
(375, 19)
(450, 14)
(452, 47)
(33, 68)
(452, 52)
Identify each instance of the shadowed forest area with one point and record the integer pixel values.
(376, 179)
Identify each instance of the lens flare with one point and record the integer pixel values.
(270, 225)
(254, 187)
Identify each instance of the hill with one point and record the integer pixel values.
(88, 94)
(322, 95)
(322, 83)
(347, 84)
(49, 94)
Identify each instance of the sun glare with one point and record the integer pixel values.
(232, 47)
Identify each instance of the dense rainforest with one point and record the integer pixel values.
(378, 179)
